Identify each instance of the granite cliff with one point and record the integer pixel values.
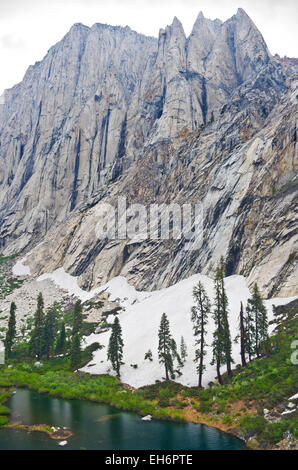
(208, 118)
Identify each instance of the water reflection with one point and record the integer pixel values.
(97, 426)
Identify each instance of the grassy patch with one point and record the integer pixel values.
(4, 411)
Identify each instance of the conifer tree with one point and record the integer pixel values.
(165, 346)
(77, 318)
(75, 355)
(115, 348)
(258, 320)
(183, 351)
(60, 346)
(249, 333)
(199, 318)
(227, 342)
(36, 341)
(50, 324)
(218, 345)
(75, 351)
(11, 331)
(242, 336)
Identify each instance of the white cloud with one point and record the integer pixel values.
(12, 41)
(29, 28)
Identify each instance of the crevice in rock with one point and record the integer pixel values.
(74, 193)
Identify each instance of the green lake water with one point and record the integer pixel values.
(96, 426)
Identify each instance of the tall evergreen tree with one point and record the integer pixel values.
(165, 346)
(258, 318)
(75, 355)
(218, 345)
(77, 318)
(249, 333)
(60, 346)
(36, 340)
(199, 317)
(115, 348)
(50, 325)
(75, 351)
(11, 331)
(227, 342)
(242, 336)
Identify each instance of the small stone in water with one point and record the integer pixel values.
(62, 443)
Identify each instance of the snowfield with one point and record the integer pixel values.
(140, 322)
(19, 269)
(69, 283)
(141, 318)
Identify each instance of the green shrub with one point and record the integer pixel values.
(252, 425)
(4, 410)
(205, 406)
(273, 432)
(3, 420)
(164, 402)
(227, 420)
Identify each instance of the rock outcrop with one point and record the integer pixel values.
(210, 118)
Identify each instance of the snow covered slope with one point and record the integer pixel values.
(140, 323)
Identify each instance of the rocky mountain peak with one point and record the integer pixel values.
(201, 20)
(87, 117)
(176, 29)
(242, 14)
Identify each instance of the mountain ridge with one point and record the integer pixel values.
(107, 105)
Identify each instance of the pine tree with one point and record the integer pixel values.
(49, 335)
(75, 351)
(36, 341)
(75, 355)
(242, 336)
(165, 346)
(11, 331)
(115, 348)
(218, 344)
(60, 346)
(77, 318)
(227, 342)
(183, 350)
(258, 317)
(249, 333)
(199, 317)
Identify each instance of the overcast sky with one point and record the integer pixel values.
(28, 28)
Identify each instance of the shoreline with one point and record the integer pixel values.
(196, 419)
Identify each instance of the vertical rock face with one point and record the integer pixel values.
(87, 110)
(108, 106)
(64, 125)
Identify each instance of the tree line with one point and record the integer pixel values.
(46, 339)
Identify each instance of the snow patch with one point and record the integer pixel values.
(118, 287)
(19, 269)
(294, 397)
(288, 412)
